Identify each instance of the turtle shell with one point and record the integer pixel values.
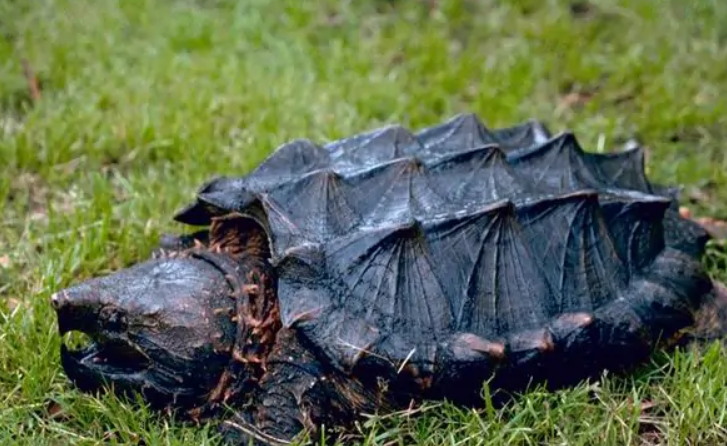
(431, 257)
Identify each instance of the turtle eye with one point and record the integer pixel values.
(113, 318)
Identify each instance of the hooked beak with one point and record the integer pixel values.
(161, 328)
(109, 356)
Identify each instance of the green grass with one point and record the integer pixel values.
(144, 100)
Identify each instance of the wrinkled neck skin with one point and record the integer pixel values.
(257, 319)
(189, 329)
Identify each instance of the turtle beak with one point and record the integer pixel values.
(76, 309)
(109, 355)
(161, 327)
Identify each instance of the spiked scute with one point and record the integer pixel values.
(436, 260)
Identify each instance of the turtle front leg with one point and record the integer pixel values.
(298, 396)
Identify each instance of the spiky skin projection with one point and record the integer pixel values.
(399, 267)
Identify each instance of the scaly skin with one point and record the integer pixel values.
(298, 395)
(281, 389)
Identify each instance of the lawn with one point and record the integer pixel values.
(139, 102)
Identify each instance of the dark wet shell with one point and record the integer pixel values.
(400, 246)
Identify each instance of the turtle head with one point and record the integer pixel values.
(162, 327)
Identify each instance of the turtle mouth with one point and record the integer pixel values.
(110, 357)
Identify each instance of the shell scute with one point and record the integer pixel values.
(393, 241)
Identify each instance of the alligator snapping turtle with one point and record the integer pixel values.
(392, 267)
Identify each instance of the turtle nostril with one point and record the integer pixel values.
(58, 299)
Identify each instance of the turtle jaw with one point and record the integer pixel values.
(110, 357)
(121, 361)
(115, 361)
(161, 328)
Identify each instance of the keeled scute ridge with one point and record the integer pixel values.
(389, 175)
(396, 245)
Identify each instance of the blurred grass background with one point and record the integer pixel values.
(143, 100)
